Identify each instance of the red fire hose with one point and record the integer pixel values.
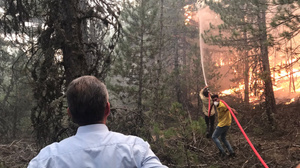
(248, 140)
(208, 105)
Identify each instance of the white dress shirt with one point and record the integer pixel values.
(94, 146)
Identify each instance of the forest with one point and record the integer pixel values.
(155, 56)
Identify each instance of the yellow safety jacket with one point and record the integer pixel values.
(224, 116)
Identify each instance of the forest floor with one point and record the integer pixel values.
(279, 146)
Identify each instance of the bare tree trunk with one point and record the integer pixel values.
(157, 96)
(292, 82)
(176, 69)
(246, 72)
(185, 72)
(159, 58)
(141, 72)
(74, 58)
(269, 94)
(16, 113)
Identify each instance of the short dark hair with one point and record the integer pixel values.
(214, 96)
(205, 92)
(87, 98)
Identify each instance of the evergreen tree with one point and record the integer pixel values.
(288, 16)
(244, 29)
(74, 38)
(136, 63)
(287, 21)
(16, 98)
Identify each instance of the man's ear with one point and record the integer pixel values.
(107, 109)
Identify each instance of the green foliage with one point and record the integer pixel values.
(177, 137)
(287, 17)
(2, 165)
(16, 97)
(199, 126)
(242, 29)
(134, 69)
(163, 80)
(61, 44)
(169, 133)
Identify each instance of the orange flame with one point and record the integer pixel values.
(292, 100)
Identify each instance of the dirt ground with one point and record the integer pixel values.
(278, 146)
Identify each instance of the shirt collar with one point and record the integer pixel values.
(92, 128)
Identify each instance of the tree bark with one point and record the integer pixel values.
(74, 57)
(246, 72)
(141, 72)
(157, 99)
(269, 93)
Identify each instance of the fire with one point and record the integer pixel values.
(220, 62)
(275, 88)
(285, 69)
(240, 89)
(292, 100)
(284, 73)
(283, 80)
(282, 84)
(187, 14)
(285, 84)
(227, 92)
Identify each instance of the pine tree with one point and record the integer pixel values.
(136, 63)
(16, 97)
(234, 32)
(244, 29)
(65, 49)
(287, 20)
(288, 16)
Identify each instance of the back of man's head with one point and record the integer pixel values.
(205, 92)
(87, 99)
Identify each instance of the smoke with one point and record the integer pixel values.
(285, 80)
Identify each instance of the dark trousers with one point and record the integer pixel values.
(210, 121)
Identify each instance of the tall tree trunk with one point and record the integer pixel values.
(74, 58)
(15, 113)
(246, 72)
(159, 60)
(157, 87)
(246, 79)
(269, 94)
(177, 67)
(141, 72)
(176, 70)
(185, 72)
(292, 87)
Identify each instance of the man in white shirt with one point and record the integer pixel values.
(94, 146)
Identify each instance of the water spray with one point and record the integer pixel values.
(200, 4)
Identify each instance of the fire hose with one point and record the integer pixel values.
(237, 122)
(245, 135)
(209, 105)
